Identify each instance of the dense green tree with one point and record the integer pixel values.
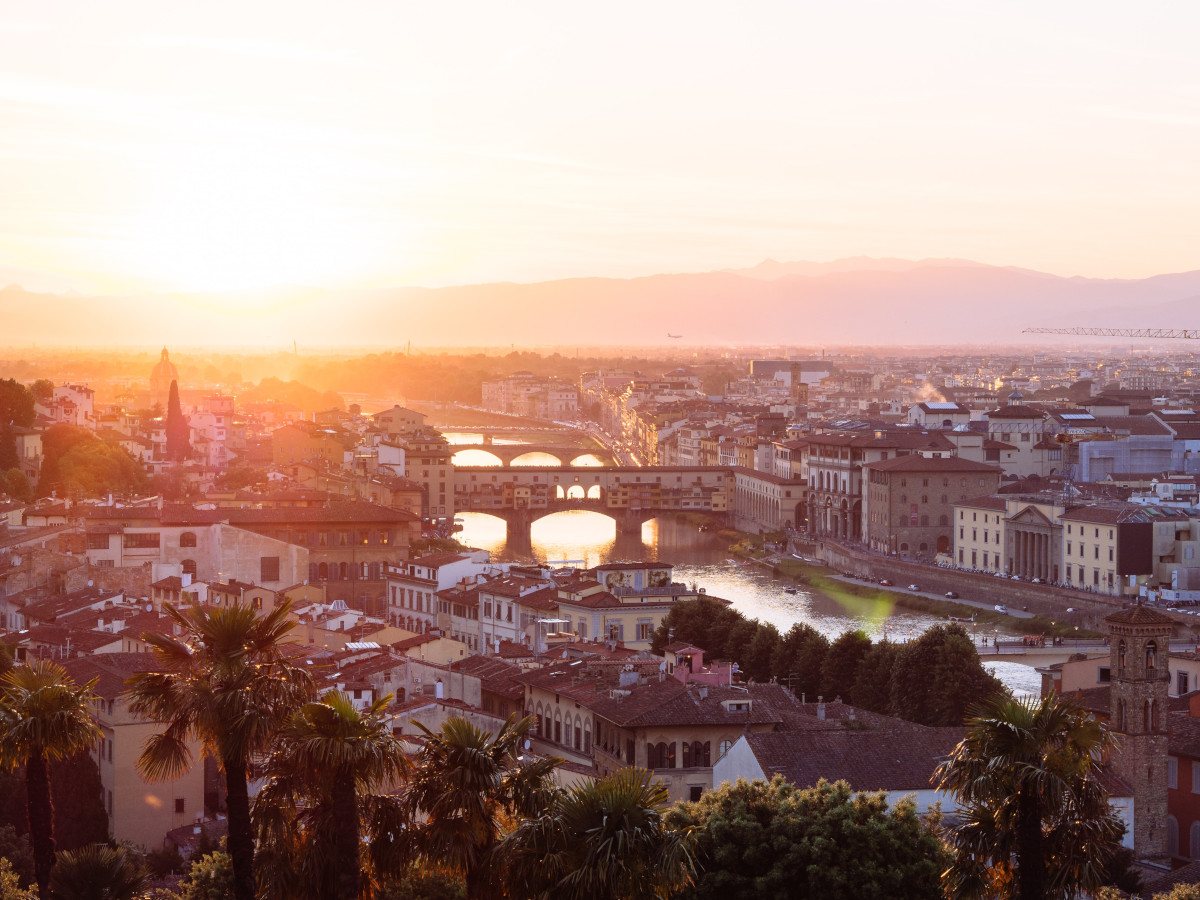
(938, 677)
(228, 682)
(799, 660)
(42, 390)
(772, 841)
(1035, 821)
(327, 762)
(704, 622)
(16, 408)
(602, 840)
(76, 462)
(97, 872)
(237, 477)
(756, 662)
(465, 785)
(16, 484)
(44, 716)
(872, 689)
(179, 444)
(76, 793)
(15, 847)
(209, 878)
(424, 882)
(842, 663)
(16, 403)
(10, 884)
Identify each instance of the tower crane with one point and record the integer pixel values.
(1187, 334)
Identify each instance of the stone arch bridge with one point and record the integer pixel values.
(630, 496)
(507, 453)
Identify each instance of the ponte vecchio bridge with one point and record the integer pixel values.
(565, 455)
(630, 495)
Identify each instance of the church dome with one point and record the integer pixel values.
(163, 374)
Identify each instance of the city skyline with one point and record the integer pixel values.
(150, 150)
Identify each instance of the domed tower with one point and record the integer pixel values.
(1139, 648)
(161, 377)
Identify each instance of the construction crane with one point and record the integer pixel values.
(1187, 334)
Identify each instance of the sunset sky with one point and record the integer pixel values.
(171, 146)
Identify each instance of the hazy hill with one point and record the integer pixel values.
(859, 301)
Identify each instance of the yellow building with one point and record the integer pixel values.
(139, 811)
(979, 534)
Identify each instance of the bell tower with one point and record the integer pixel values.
(1139, 648)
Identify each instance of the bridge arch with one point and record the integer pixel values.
(589, 459)
(473, 459)
(524, 459)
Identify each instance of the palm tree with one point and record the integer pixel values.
(1026, 779)
(605, 839)
(97, 872)
(465, 783)
(227, 683)
(329, 755)
(44, 716)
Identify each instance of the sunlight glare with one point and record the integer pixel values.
(220, 221)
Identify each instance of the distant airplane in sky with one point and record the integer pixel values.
(674, 335)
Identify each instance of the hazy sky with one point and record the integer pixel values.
(228, 145)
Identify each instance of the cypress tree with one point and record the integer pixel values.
(178, 445)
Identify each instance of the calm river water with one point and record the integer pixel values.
(700, 558)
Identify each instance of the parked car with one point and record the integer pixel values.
(1001, 609)
(914, 587)
(885, 582)
(953, 595)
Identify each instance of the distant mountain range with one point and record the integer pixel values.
(851, 301)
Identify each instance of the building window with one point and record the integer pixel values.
(189, 567)
(141, 540)
(187, 539)
(1195, 777)
(1172, 772)
(696, 791)
(268, 568)
(97, 541)
(179, 805)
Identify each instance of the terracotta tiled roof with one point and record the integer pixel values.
(869, 760)
(496, 675)
(917, 463)
(110, 669)
(995, 503)
(1140, 615)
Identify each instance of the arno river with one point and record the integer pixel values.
(700, 558)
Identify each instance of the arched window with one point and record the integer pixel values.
(723, 748)
(342, 571)
(1121, 654)
(687, 755)
(1194, 848)
(1172, 836)
(1151, 655)
(187, 539)
(189, 567)
(904, 547)
(323, 572)
(1148, 716)
(1121, 716)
